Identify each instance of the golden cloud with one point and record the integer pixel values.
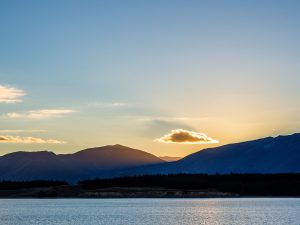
(28, 140)
(181, 136)
(40, 114)
(10, 94)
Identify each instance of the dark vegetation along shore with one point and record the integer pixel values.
(179, 185)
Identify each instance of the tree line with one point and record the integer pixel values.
(15, 185)
(243, 184)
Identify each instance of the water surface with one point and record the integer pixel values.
(150, 211)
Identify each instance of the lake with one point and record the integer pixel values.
(150, 211)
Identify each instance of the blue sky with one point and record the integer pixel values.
(129, 72)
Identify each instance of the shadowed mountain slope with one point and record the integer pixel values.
(268, 155)
(85, 164)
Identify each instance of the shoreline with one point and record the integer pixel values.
(75, 192)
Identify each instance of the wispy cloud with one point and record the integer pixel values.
(28, 140)
(40, 114)
(182, 119)
(10, 94)
(181, 136)
(22, 131)
(107, 104)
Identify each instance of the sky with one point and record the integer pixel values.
(168, 77)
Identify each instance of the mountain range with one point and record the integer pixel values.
(170, 158)
(86, 164)
(267, 155)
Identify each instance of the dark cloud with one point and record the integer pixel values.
(155, 126)
(186, 137)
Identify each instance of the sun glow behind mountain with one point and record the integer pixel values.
(167, 77)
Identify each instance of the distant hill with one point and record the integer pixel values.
(169, 158)
(85, 164)
(268, 155)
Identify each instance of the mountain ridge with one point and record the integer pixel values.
(279, 154)
(84, 164)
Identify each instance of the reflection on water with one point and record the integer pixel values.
(149, 211)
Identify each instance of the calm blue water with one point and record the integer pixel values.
(149, 211)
